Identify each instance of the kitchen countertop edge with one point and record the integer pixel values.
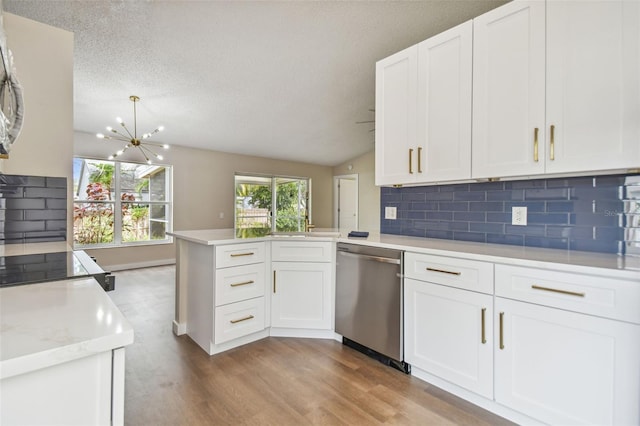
(623, 267)
(31, 350)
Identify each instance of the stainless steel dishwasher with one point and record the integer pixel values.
(369, 302)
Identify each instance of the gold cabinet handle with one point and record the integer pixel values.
(274, 281)
(242, 283)
(419, 161)
(484, 335)
(442, 271)
(242, 254)
(248, 317)
(411, 160)
(535, 144)
(556, 290)
(552, 142)
(501, 330)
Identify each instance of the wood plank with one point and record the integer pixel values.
(285, 381)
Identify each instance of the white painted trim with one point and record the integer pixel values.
(301, 332)
(179, 328)
(473, 398)
(138, 265)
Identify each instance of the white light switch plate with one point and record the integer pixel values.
(390, 213)
(519, 216)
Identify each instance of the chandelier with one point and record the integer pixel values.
(132, 139)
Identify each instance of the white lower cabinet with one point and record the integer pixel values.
(302, 284)
(301, 295)
(85, 391)
(566, 368)
(449, 333)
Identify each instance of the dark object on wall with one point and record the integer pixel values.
(33, 209)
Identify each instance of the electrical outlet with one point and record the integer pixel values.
(221, 215)
(519, 216)
(390, 213)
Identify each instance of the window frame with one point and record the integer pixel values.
(273, 186)
(117, 207)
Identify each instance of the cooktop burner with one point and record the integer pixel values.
(34, 268)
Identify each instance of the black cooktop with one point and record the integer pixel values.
(34, 268)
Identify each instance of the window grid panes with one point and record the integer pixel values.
(256, 197)
(117, 203)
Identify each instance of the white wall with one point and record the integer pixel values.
(368, 192)
(203, 187)
(43, 58)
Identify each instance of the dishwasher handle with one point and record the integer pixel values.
(370, 257)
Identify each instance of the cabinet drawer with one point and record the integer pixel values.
(239, 283)
(239, 254)
(460, 273)
(238, 319)
(595, 295)
(301, 251)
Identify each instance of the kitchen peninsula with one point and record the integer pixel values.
(501, 308)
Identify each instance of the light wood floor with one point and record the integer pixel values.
(275, 381)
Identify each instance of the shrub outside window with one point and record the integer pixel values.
(118, 203)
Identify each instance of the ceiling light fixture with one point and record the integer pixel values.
(132, 139)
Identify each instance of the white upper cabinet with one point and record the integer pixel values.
(423, 111)
(396, 150)
(593, 85)
(572, 108)
(508, 90)
(444, 105)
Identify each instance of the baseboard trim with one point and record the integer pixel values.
(179, 328)
(138, 265)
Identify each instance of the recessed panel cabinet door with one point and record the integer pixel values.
(444, 105)
(566, 368)
(509, 91)
(396, 151)
(301, 295)
(593, 85)
(448, 333)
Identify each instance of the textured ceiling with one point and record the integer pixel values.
(278, 79)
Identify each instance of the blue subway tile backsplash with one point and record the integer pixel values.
(32, 209)
(599, 213)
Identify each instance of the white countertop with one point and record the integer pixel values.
(54, 322)
(624, 267)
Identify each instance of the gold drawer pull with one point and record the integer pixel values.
(555, 290)
(274, 281)
(242, 254)
(248, 317)
(419, 161)
(242, 283)
(535, 144)
(484, 336)
(410, 160)
(443, 271)
(501, 330)
(552, 142)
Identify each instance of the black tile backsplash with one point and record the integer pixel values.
(579, 213)
(32, 209)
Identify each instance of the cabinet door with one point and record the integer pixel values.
(396, 84)
(562, 367)
(444, 105)
(448, 333)
(593, 85)
(509, 90)
(301, 295)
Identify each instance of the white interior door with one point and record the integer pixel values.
(346, 213)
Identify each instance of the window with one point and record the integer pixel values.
(256, 196)
(118, 203)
